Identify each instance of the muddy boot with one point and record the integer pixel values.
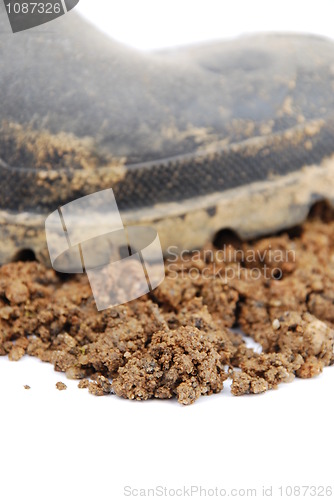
(236, 134)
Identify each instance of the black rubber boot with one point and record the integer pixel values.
(191, 141)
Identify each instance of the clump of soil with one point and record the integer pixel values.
(179, 341)
(61, 386)
(182, 363)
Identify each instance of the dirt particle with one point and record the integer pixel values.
(16, 292)
(276, 324)
(83, 384)
(61, 386)
(16, 353)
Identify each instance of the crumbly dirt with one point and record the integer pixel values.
(61, 386)
(182, 341)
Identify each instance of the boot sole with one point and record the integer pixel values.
(258, 208)
(280, 200)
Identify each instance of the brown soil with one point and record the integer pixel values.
(61, 386)
(178, 341)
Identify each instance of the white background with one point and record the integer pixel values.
(150, 24)
(62, 445)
